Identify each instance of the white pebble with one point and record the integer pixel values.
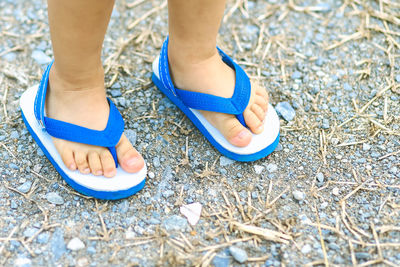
(298, 195)
(151, 175)
(75, 244)
(335, 191)
(258, 169)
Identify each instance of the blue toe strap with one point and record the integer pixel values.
(234, 105)
(109, 137)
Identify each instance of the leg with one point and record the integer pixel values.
(193, 29)
(77, 94)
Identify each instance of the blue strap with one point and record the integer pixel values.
(109, 137)
(234, 105)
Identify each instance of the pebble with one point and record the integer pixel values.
(221, 261)
(29, 232)
(40, 57)
(43, 238)
(285, 110)
(131, 135)
(57, 244)
(306, 249)
(224, 161)
(272, 167)
(296, 75)
(347, 87)
(238, 254)
(320, 177)
(398, 78)
(366, 147)
(324, 205)
(175, 223)
(75, 244)
(156, 162)
(151, 175)
(298, 195)
(25, 187)
(335, 191)
(54, 198)
(259, 169)
(168, 193)
(362, 255)
(22, 262)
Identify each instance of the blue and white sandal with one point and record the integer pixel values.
(122, 185)
(261, 144)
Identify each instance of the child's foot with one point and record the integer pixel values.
(212, 76)
(82, 101)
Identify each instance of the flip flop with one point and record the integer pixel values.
(122, 185)
(261, 144)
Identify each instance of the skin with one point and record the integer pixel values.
(192, 53)
(77, 94)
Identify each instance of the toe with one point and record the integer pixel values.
(67, 157)
(108, 163)
(236, 133)
(253, 122)
(81, 162)
(260, 101)
(259, 111)
(130, 160)
(95, 163)
(262, 92)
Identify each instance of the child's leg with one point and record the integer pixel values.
(77, 94)
(196, 65)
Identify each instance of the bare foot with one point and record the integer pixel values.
(82, 101)
(212, 76)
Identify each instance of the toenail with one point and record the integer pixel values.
(132, 161)
(260, 128)
(87, 170)
(242, 134)
(99, 173)
(72, 167)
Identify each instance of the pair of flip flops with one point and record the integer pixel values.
(42, 128)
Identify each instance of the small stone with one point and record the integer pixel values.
(324, 205)
(272, 167)
(258, 169)
(320, 177)
(298, 195)
(347, 87)
(22, 262)
(362, 255)
(40, 57)
(151, 175)
(131, 135)
(224, 161)
(285, 110)
(221, 261)
(57, 244)
(335, 191)
(175, 223)
(115, 93)
(296, 75)
(306, 249)
(75, 244)
(54, 198)
(29, 232)
(13, 204)
(25, 187)
(366, 147)
(398, 78)
(168, 193)
(238, 254)
(156, 162)
(43, 238)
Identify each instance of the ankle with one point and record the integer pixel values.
(62, 80)
(183, 55)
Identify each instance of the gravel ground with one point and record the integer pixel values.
(328, 195)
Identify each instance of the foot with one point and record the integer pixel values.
(212, 76)
(82, 101)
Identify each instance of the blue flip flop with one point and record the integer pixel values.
(261, 144)
(122, 185)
